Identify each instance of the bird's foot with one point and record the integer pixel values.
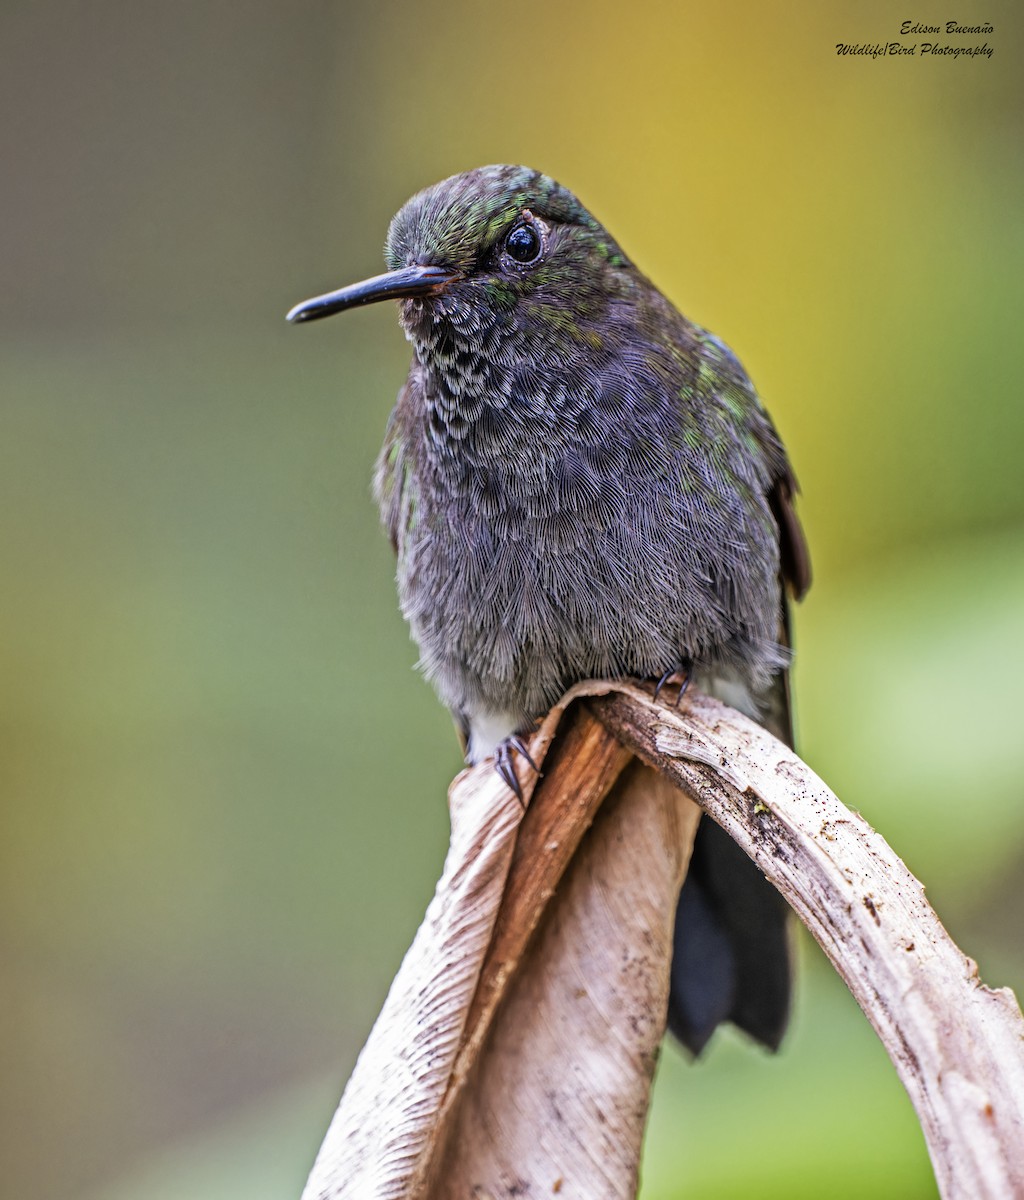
(506, 768)
(680, 674)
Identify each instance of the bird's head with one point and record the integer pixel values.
(489, 256)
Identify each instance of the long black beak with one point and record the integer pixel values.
(395, 285)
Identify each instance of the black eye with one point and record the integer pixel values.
(523, 245)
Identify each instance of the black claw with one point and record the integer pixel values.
(505, 767)
(662, 681)
(517, 743)
(684, 668)
(507, 772)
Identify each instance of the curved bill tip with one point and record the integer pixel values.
(394, 285)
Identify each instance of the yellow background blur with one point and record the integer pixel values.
(222, 783)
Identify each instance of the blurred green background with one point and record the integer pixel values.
(223, 784)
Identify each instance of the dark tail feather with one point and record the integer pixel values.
(731, 958)
(731, 953)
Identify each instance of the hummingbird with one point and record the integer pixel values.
(579, 482)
